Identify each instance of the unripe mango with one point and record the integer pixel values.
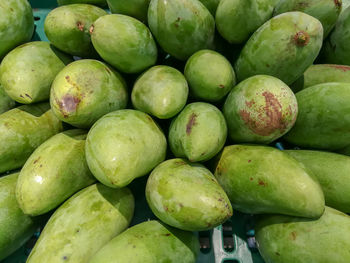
(134, 8)
(6, 103)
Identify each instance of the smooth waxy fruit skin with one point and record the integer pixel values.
(154, 242)
(261, 179)
(124, 42)
(56, 170)
(326, 11)
(323, 120)
(6, 103)
(210, 75)
(181, 27)
(101, 3)
(67, 28)
(27, 72)
(16, 24)
(236, 20)
(332, 172)
(198, 133)
(284, 239)
(294, 36)
(260, 109)
(161, 91)
(187, 196)
(86, 90)
(22, 130)
(84, 224)
(15, 227)
(134, 8)
(124, 145)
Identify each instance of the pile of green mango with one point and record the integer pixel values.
(197, 111)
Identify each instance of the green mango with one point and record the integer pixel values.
(16, 24)
(124, 42)
(22, 130)
(85, 90)
(124, 145)
(284, 239)
(283, 47)
(27, 72)
(67, 28)
(336, 49)
(264, 180)
(260, 109)
(134, 8)
(198, 133)
(326, 11)
(181, 27)
(211, 5)
(332, 172)
(161, 91)
(101, 3)
(345, 5)
(84, 224)
(210, 75)
(187, 196)
(6, 103)
(56, 170)
(323, 120)
(15, 227)
(236, 20)
(150, 242)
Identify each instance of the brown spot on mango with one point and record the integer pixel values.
(191, 123)
(293, 235)
(80, 26)
(68, 104)
(301, 38)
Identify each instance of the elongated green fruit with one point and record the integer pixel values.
(101, 3)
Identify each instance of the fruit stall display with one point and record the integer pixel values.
(180, 131)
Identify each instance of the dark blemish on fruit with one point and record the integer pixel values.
(250, 103)
(341, 67)
(262, 183)
(28, 96)
(78, 230)
(108, 70)
(249, 161)
(277, 254)
(65, 258)
(221, 86)
(80, 26)
(166, 208)
(293, 235)
(180, 163)
(21, 96)
(191, 123)
(251, 178)
(41, 165)
(301, 38)
(177, 22)
(91, 30)
(181, 205)
(338, 3)
(36, 160)
(167, 235)
(68, 104)
(220, 199)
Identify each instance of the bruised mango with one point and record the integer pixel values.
(124, 145)
(284, 239)
(150, 242)
(124, 42)
(27, 72)
(84, 224)
(283, 47)
(260, 109)
(101, 3)
(264, 180)
(181, 27)
(16, 24)
(134, 8)
(15, 227)
(67, 28)
(187, 196)
(22, 130)
(56, 170)
(198, 133)
(86, 90)
(6, 103)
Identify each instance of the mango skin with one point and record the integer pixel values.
(85, 90)
(6, 103)
(161, 91)
(67, 28)
(187, 196)
(264, 180)
(124, 42)
(323, 120)
(332, 172)
(15, 227)
(150, 242)
(101, 3)
(16, 24)
(22, 130)
(56, 170)
(236, 20)
(260, 109)
(294, 36)
(181, 27)
(326, 11)
(211, 5)
(27, 72)
(134, 8)
(83, 224)
(210, 75)
(198, 133)
(284, 239)
(124, 145)
(345, 5)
